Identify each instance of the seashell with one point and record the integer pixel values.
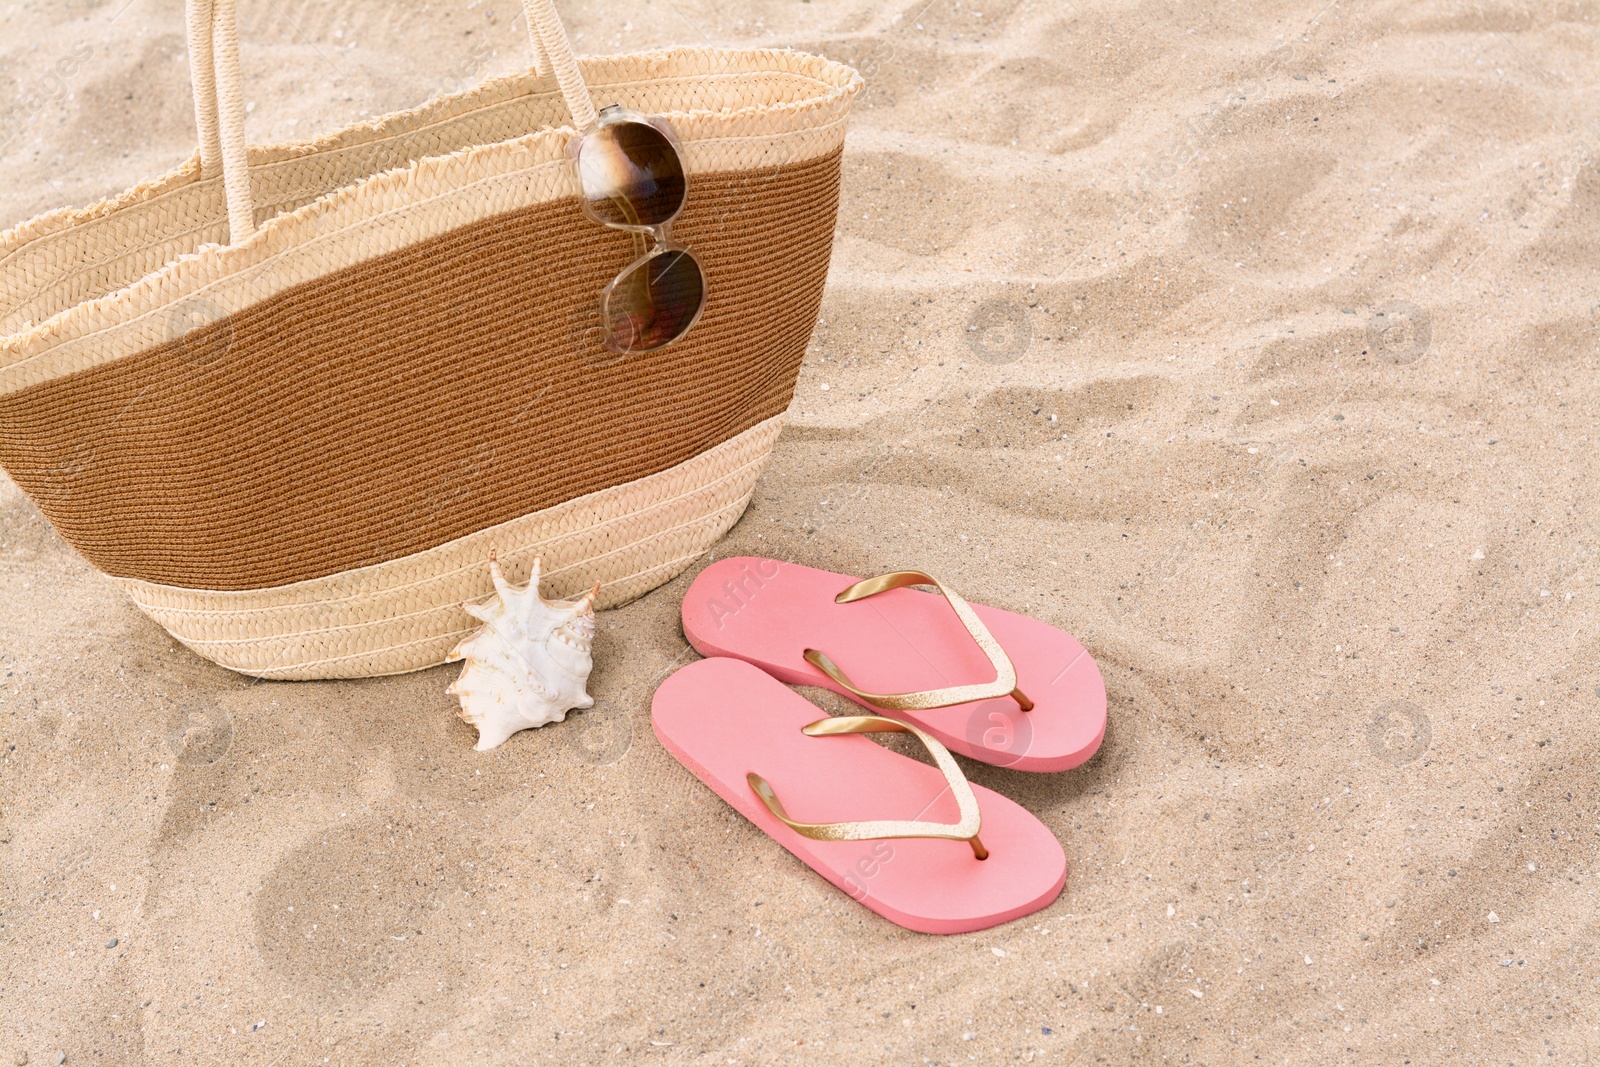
(529, 664)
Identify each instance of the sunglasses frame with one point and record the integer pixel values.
(660, 234)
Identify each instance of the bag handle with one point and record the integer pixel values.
(203, 80)
(219, 106)
(555, 50)
(213, 36)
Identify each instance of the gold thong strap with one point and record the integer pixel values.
(966, 829)
(1004, 684)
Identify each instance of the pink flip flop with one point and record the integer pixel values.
(778, 759)
(906, 653)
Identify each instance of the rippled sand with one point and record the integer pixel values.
(1255, 346)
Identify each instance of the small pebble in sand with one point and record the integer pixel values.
(22, 1059)
(1493, 917)
(112, 943)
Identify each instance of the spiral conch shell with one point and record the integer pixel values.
(530, 663)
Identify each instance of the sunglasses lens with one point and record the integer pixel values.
(631, 175)
(654, 303)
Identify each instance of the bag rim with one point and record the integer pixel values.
(838, 80)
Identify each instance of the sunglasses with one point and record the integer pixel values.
(632, 178)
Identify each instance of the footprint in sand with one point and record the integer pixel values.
(353, 908)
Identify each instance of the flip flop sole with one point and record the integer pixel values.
(768, 613)
(723, 719)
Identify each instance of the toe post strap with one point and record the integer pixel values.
(1004, 684)
(964, 829)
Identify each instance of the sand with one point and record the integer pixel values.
(1253, 345)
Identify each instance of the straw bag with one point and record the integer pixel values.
(289, 397)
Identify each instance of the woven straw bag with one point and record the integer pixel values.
(289, 397)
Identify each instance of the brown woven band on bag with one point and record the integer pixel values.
(422, 395)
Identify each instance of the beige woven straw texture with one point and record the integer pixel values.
(86, 292)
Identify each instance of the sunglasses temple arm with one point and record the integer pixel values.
(626, 206)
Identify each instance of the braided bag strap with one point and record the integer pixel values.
(219, 109)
